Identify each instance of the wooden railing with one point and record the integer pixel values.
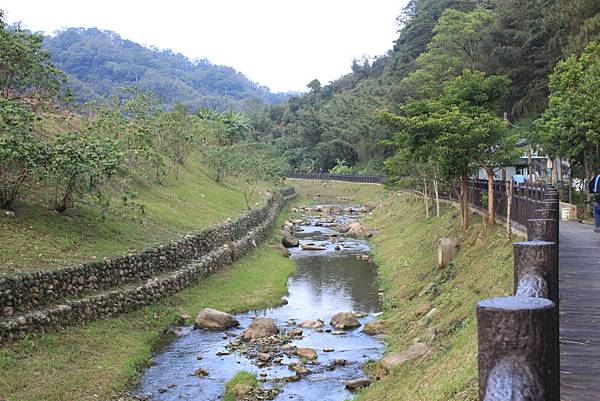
(518, 336)
(525, 199)
(366, 178)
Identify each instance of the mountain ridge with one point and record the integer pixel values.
(98, 62)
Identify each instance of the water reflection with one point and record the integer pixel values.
(326, 282)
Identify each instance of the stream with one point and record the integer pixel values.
(326, 282)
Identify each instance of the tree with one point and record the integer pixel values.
(457, 131)
(235, 126)
(480, 97)
(221, 160)
(79, 163)
(25, 68)
(570, 126)
(314, 86)
(252, 169)
(455, 46)
(181, 129)
(21, 153)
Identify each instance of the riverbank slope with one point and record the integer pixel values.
(423, 303)
(97, 360)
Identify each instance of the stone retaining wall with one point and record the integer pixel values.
(26, 291)
(134, 296)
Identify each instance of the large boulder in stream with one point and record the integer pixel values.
(261, 327)
(289, 241)
(307, 353)
(212, 319)
(312, 324)
(309, 246)
(344, 321)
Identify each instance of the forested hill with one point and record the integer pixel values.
(98, 62)
(339, 124)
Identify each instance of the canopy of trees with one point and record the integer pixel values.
(437, 40)
(100, 62)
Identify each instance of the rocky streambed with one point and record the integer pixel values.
(311, 348)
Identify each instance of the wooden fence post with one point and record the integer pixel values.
(509, 195)
(517, 349)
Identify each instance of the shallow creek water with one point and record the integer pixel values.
(326, 282)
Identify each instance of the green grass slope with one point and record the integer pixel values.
(37, 237)
(95, 361)
(406, 250)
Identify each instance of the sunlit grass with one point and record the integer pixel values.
(95, 360)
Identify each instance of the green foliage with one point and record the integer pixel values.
(454, 47)
(221, 160)
(233, 127)
(241, 378)
(341, 167)
(99, 63)
(80, 162)
(25, 67)
(21, 153)
(252, 168)
(328, 154)
(569, 126)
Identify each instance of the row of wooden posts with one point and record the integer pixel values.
(518, 336)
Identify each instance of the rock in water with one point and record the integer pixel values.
(312, 247)
(299, 368)
(312, 324)
(241, 390)
(212, 319)
(357, 383)
(344, 321)
(289, 241)
(307, 353)
(392, 360)
(259, 328)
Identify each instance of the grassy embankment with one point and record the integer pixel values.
(38, 237)
(93, 361)
(405, 250)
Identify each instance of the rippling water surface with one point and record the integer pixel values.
(326, 282)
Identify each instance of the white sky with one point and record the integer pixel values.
(281, 44)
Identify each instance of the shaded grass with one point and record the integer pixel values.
(337, 191)
(405, 249)
(38, 237)
(96, 360)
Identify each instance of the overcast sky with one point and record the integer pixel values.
(278, 43)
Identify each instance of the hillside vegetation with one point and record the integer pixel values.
(38, 237)
(437, 306)
(465, 82)
(98, 63)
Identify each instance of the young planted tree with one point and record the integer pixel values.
(457, 131)
(80, 162)
(252, 169)
(25, 68)
(221, 160)
(21, 153)
(181, 130)
(479, 97)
